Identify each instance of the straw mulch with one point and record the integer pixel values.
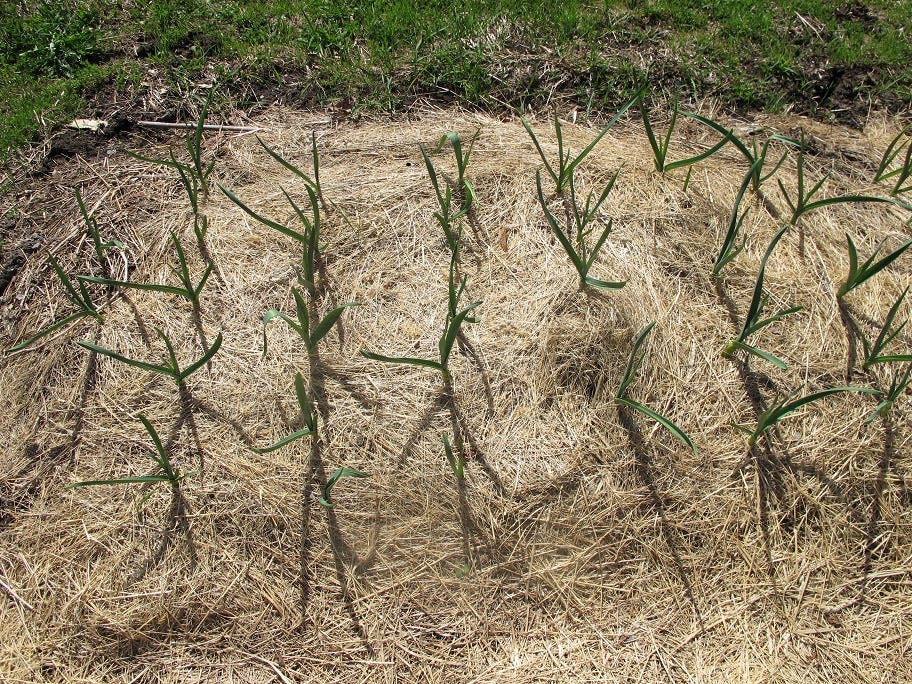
(583, 546)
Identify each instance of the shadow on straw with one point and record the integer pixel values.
(176, 520)
(644, 472)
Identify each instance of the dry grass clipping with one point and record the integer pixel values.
(578, 550)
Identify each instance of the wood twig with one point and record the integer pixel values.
(206, 127)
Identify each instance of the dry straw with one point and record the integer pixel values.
(566, 547)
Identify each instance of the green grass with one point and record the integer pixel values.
(497, 54)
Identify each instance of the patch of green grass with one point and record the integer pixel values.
(496, 54)
(54, 39)
(29, 105)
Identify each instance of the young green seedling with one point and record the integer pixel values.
(753, 321)
(563, 174)
(898, 386)
(858, 274)
(457, 463)
(444, 345)
(730, 247)
(454, 291)
(874, 351)
(444, 217)
(309, 238)
(312, 183)
(308, 415)
(166, 471)
(660, 148)
(785, 406)
(687, 180)
(633, 366)
(462, 162)
(581, 255)
(804, 202)
(311, 261)
(903, 171)
(188, 291)
(761, 153)
(337, 475)
(94, 232)
(201, 171)
(755, 155)
(584, 215)
(454, 321)
(194, 176)
(172, 369)
(303, 325)
(455, 286)
(79, 297)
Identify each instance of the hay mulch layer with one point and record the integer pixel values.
(583, 545)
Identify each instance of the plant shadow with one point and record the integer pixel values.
(872, 547)
(643, 467)
(176, 522)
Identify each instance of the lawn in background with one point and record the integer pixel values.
(813, 56)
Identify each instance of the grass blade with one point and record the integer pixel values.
(604, 284)
(63, 322)
(163, 461)
(445, 345)
(727, 132)
(891, 358)
(697, 158)
(558, 232)
(187, 372)
(285, 230)
(285, 440)
(729, 248)
(766, 356)
(885, 336)
(149, 287)
(657, 152)
(661, 420)
(858, 275)
(270, 316)
(772, 319)
(436, 365)
(598, 243)
(305, 404)
(601, 134)
(337, 475)
(634, 363)
(757, 298)
(67, 283)
(793, 406)
(457, 464)
(172, 163)
(541, 152)
(326, 324)
(287, 164)
(432, 173)
(777, 412)
(163, 370)
(841, 199)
